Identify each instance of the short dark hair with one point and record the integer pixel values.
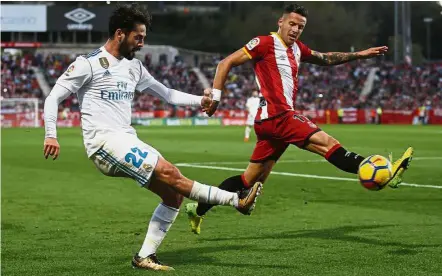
(296, 9)
(126, 16)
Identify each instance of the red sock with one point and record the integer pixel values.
(332, 150)
(244, 181)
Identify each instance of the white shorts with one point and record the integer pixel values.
(250, 120)
(124, 155)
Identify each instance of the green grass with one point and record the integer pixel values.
(64, 218)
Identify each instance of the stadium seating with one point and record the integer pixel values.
(394, 87)
(18, 78)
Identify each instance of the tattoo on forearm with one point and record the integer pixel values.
(333, 58)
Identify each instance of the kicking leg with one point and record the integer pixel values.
(171, 185)
(168, 174)
(323, 144)
(264, 157)
(255, 172)
(127, 156)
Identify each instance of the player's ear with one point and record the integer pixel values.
(119, 35)
(280, 21)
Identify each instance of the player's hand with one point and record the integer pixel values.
(212, 108)
(51, 147)
(206, 101)
(373, 52)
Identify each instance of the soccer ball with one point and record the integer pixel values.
(374, 172)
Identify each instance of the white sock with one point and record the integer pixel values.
(212, 195)
(160, 223)
(248, 129)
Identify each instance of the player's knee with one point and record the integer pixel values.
(331, 142)
(173, 199)
(170, 174)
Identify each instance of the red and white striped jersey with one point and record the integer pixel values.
(276, 69)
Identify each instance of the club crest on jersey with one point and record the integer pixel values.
(70, 69)
(104, 62)
(147, 167)
(252, 43)
(132, 75)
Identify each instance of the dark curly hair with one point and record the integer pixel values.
(296, 9)
(126, 16)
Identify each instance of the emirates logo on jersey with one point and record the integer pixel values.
(117, 95)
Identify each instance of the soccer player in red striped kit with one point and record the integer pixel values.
(276, 60)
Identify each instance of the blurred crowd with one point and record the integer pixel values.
(18, 77)
(408, 87)
(332, 87)
(176, 75)
(394, 87)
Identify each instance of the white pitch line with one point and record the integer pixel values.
(428, 158)
(298, 175)
(246, 162)
(298, 161)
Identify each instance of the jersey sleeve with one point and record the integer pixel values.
(306, 52)
(77, 74)
(257, 47)
(146, 79)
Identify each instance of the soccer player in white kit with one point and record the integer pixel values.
(252, 106)
(105, 82)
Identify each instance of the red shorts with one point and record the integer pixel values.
(276, 134)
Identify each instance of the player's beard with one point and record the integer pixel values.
(126, 51)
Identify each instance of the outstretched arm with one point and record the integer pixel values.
(149, 84)
(176, 97)
(335, 58)
(224, 66)
(222, 71)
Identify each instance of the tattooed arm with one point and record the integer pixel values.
(335, 58)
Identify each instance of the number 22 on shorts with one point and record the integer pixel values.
(131, 158)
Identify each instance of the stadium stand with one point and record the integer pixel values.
(394, 87)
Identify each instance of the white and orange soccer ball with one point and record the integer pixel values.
(375, 172)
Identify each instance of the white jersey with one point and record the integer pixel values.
(105, 87)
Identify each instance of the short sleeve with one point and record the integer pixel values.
(257, 47)
(306, 52)
(146, 79)
(77, 74)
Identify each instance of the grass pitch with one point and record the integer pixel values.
(64, 217)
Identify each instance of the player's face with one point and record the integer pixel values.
(291, 26)
(133, 42)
